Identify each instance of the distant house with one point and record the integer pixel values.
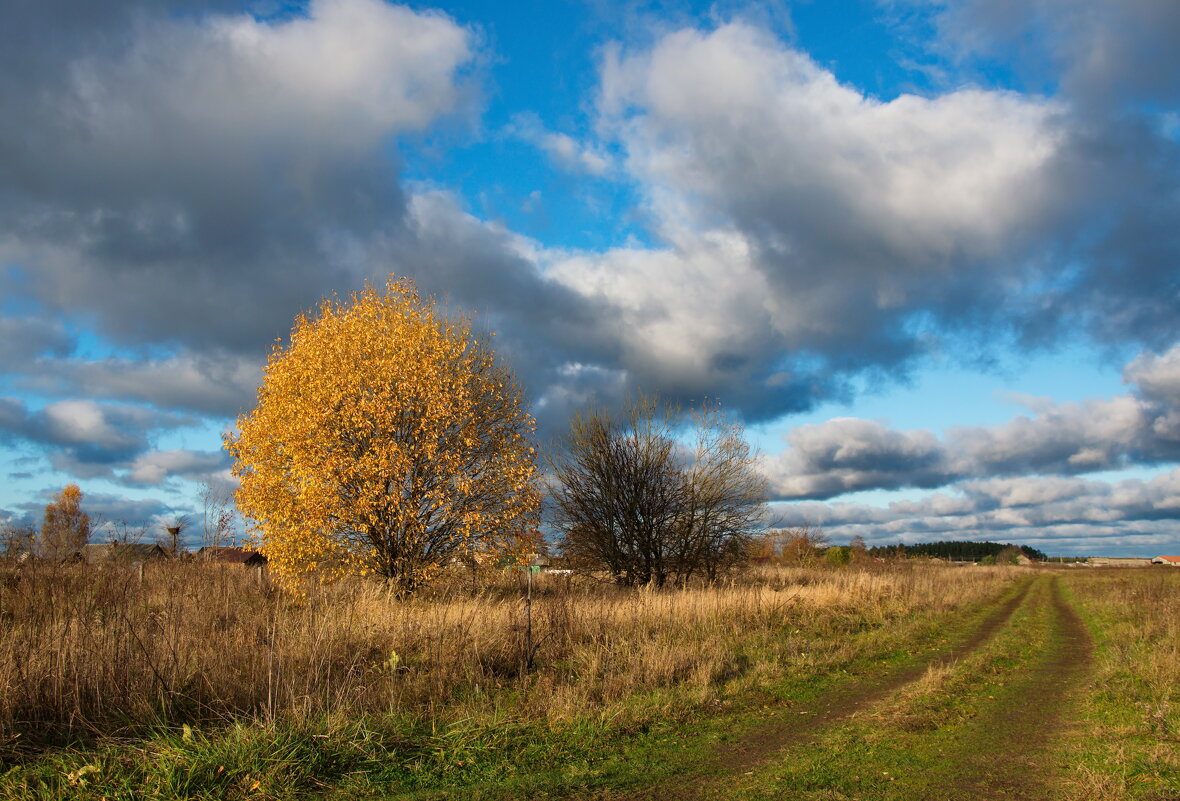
(1174, 561)
(101, 553)
(226, 555)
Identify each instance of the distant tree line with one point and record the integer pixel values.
(957, 551)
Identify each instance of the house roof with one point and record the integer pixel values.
(1173, 559)
(225, 553)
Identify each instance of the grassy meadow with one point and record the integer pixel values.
(203, 682)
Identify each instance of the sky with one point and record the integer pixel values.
(929, 252)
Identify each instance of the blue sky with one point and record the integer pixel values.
(929, 251)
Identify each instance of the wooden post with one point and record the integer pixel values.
(528, 622)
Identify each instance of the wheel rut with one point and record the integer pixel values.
(772, 736)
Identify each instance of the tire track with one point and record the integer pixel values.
(775, 734)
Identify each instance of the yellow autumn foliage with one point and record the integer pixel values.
(388, 441)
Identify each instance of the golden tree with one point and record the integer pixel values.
(66, 527)
(387, 441)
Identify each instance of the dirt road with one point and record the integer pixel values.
(1001, 753)
(1007, 752)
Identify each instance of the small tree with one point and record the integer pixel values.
(804, 545)
(66, 527)
(857, 550)
(837, 555)
(1009, 555)
(629, 499)
(386, 441)
(17, 540)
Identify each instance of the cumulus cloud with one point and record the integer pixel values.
(86, 438)
(805, 232)
(850, 454)
(198, 179)
(190, 178)
(802, 227)
(155, 467)
(1059, 515)
(846, 454)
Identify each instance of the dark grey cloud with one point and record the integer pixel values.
(1107, 54)
(29, 338)
(215, 383)
(842, 455)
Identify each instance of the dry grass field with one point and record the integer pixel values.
(929, 680)
(92, 651)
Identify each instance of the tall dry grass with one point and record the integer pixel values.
(1132, 717)
(94, 650)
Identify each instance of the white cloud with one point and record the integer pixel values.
(733, 122)
(345, 76)
(155, 467)
(564, 150)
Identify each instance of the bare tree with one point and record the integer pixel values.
(217, 515)
(857, 550)
(726, 494)
(619, 494)
(630, 499)
(17, 541)
(121, 532)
